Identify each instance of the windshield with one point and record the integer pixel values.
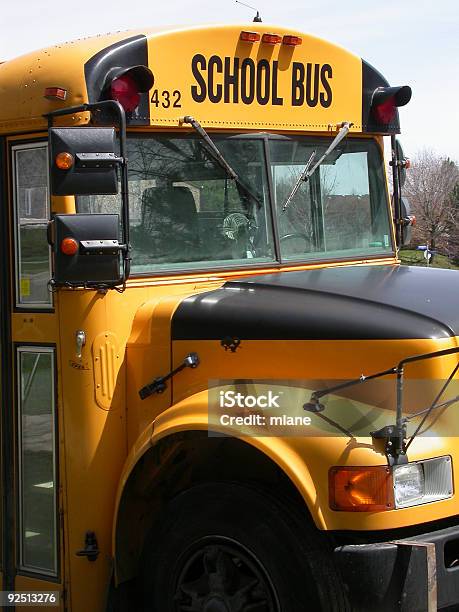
(184, 209)
(341, 210)
(187, 213)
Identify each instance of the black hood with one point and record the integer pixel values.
(352, 302)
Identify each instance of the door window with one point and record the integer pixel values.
(37, 460)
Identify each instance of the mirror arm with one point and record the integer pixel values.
(396, 191)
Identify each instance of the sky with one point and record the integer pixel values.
(412, 42)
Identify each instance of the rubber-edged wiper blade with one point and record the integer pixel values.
(213, 151)
(301, 178)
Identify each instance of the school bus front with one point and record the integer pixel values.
(220, 388)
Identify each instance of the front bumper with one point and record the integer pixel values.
(404, 574)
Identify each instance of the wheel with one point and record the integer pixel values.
(224, 547)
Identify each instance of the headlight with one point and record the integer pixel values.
(408, 484)
(422, 482)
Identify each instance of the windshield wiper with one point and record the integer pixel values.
(301, 178)
(308, 171)
(213, 151)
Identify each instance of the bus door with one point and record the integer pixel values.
(31, 526)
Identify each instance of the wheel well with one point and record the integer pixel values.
(175, 464)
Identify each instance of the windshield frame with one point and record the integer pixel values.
(277, 260)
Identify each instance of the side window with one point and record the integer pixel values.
(37, 460)
(31, 206)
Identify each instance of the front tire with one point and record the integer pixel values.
(224, 547)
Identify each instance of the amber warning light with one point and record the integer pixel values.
(69, 246)
(64, 160)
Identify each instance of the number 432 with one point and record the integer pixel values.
(166, 98)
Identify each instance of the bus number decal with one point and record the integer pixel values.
(165, 98)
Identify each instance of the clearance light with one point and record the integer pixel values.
(55, 93)
(361, 489)
(125, 90)
(292, 40)
(69, 246)
(271, 39)
(64, 161)
(249, 37)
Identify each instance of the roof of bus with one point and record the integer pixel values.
(170, 52)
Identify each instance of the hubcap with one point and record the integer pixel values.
(218, 574)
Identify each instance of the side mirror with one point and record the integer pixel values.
(86, 250)
(83, 161)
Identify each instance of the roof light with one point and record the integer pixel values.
(249, 37)
(271, 39)
(55, 93)
(292, 41)
(69, 246)
(361, 489)
(64, 160)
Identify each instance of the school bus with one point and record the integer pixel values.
(220, 390)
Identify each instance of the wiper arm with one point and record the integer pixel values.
(213, 151)
(308, 171)
(343, 132)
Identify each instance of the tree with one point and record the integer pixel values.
(432, 186)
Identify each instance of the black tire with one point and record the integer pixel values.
(224, 547)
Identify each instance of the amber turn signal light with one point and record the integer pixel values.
(69, 246)
(361, 489)
(64, 161)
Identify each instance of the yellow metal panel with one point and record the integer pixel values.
(275, 69)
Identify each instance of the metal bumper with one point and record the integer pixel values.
(418, 574)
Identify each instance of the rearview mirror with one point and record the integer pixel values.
(83, 161)
(87, 250)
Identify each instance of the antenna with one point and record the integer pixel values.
(257, 17)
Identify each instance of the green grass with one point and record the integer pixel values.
(416, 258)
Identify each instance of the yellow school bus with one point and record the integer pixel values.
(220, 390)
